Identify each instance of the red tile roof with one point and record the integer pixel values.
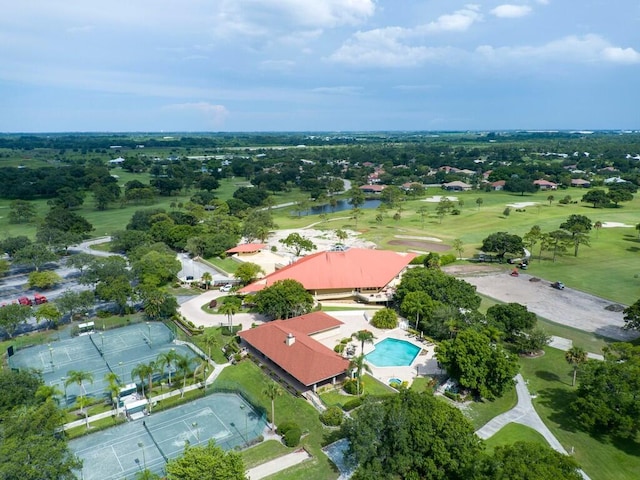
(307, 360)
(247, 248)
(312, 323)
(353, 268)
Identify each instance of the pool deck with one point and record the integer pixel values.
(356, 320)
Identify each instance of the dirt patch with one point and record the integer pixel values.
(426, 246)
(567, 307)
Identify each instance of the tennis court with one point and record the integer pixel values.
(119, 351)
(121, 451)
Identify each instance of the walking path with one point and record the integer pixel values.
(278, 464)
(524, 414)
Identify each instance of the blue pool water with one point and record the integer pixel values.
(391, 352)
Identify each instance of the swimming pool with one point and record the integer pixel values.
(392, 352)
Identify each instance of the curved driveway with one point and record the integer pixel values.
(192, 310)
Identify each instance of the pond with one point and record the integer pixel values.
(340, 206)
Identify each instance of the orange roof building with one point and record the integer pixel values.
(290, 346)
(246, 248)
(367, 274)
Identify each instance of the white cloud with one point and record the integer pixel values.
(214, 114)
(621, 55)
(573, 49)
(457, 21)
(384, 47)
(511, 11)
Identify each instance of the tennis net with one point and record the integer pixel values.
(94, 344)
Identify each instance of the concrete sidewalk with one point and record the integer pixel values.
(278, 464)
(524, 414)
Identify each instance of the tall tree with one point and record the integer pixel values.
(411, 435)
(248, 272)
(12, 316)
(21, 211)
(357, 365)
(511, 318)
(208, 462)
(272, 391)
(502, 243)
(79, 377)
(284, 299)
(230, 306)
(298, 243)
(578, 227)
(35, 255)
(458, 246)
(363, 336)
(632, 316)
(575, 357)
(419, 304)
(485, 368)
(356, 197)
(531, 461)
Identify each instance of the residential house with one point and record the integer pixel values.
(457, 186)
(499, 185)
(545, 184)
(580, 182)
(372, 188)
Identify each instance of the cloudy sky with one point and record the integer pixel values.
(318, 65)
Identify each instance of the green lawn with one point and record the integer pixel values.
(225, 264)
(263, 452)
(603, 269)
(337, 396)
(482, 411)
(514, 432)
(549, 378)
(250, 379)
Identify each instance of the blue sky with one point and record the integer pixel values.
(318, 65)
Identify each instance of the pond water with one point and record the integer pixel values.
(341, 206)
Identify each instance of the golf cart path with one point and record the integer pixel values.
(524, 414)
(278, 464)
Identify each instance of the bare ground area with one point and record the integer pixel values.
(567, 307)
(427, 246)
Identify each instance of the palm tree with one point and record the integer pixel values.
(358, 364)
(206, 279)
(202, 367)
(272, 390)
(79, 377)
(48, 392)
(363, 336)
(458, 246)
(230, 307)
(575, 356)
(145, 371)
(113, 387)
(209, 340)
(167, 359)
(183, 364)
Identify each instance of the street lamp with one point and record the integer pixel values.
(144, 458)
(101, 341)
(64, 385)
(51, 354)
(197, 431)
(242, 407)
(121, 372)
(149, 329)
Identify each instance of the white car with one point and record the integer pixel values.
(226, 288)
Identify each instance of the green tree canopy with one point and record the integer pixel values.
(298, 243)
(632, 316)
(530, 461)
(411, 435)
(511, 318)
(284, 299)
(209, 462)
(248, 272)
(597, 197)
(440, 286)
(485, 368)
(502, 243)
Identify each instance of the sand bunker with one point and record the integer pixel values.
(425, 246)
(437, 198)
(427, 239)
(521, 204)
(615, 225)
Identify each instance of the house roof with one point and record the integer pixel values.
(457, 183)
(579, 181)
(373, 188)
(545, 182)
(247, 247)
(352, 268)
(499, 183)
(306, 359)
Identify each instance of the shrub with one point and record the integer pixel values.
(419, 260)
(339, 348)
(447, 259)
(332, 416)
(351, 404)
(385, 318)
(351, 386)
(284, 427)
(292, 437)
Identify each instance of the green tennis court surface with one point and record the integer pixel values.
(121, 451)
(117, 351)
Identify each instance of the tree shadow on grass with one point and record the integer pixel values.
(547, 376)
(629, 446)
(559, 400)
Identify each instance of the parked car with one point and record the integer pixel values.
(558, 285)
(226, 288)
